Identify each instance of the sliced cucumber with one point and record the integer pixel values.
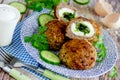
(49, 57)
(20, 6)
(82, 2)
(44, 19)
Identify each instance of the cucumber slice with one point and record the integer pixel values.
(44, 19)
(82, 2)
(20, 6)
(49, 57)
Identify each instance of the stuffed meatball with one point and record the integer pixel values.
(65, 12)
(82, 28)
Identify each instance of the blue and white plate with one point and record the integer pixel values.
(30, 25)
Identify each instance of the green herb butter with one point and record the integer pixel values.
(68, 16)
(83, 28)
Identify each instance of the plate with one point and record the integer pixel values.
(31, 25)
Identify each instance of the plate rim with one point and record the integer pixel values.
(67, 75)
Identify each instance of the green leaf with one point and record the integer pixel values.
(101, 47)
(99, 59)
(27, 39)
(100, 38)
(42, 29)
(46, 47)
(35, 44)
(35, 36)
(49, 5)
(56, 2)
(39, 40)
(113, 73)
(37, 5)
(66, 1)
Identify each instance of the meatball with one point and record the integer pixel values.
(82, 28)
(55, 34)
(78, 54)
(65, 12)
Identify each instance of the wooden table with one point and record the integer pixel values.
(114, 34)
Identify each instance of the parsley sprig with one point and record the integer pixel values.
(101, 50)
(39, 39)
(38, 5)
(113, 73)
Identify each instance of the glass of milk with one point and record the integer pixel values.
(9, 16)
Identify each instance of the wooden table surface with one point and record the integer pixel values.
(115, 34)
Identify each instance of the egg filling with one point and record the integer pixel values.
(67, 13)
(83, 28)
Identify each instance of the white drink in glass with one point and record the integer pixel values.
(9, 16)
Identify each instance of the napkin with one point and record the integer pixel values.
(17, 50)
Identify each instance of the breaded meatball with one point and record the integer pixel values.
(55, 34)
(78, 54)
(65, 12)
(83, 28)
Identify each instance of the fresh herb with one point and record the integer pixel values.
(66, 1)
(38, 5)
(101, 54)
(27, 39)
(68, 16)
(83, 28)
(113, 73)
(38, 40)
(42, 29)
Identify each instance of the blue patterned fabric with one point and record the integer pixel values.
(17, 50)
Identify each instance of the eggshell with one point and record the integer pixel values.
(103, 8)
(112, 21)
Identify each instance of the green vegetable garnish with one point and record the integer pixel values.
(39, 39)
(66, 0)
(38, 5)
(49, 57)
(42, 29)
(68, 16)
(27, 39)
(83, 28)
(20, 6)
(82, 2)
(113, 73)
(101, 54)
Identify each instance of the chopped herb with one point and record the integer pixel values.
(38, 5)
(113, 73)
(83, 28)
(68, 16)
(39, 39)
(101, 50)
